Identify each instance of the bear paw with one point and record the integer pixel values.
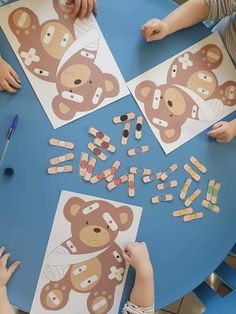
(54, 296)
(100, 302)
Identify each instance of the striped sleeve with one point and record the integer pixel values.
(131, 308)
(220, 8)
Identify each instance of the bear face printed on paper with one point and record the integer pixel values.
(190, 85)
(167, 108)
(42, 46)
(82, 86)
(194, 70)
(99, 223)
(94, 225)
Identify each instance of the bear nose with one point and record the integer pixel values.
(77, 82)
(170, 103)
(97, 230)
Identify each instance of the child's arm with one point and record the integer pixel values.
(142, 295)
(188, 14)
(223, 131)
(9, 79)
(83, 8)
(5, 275)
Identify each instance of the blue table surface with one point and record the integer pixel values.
(183, 254)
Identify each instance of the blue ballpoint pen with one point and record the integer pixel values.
(9, 136)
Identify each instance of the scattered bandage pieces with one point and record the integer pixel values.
(215, 193)
(127, 127)
(212, 191)
(114, 169)
(182, 212)
(83, 163)
(162, 198)
(59, 159)
(194, 216)
(102, 136)
(197, 164)
(210, 188)
(169, 171)
(185, 188)
(101, 140)
(138, 127)
(89, 169)
(109, 147)
(62, 158)
(138, 170)
(125, 133)
(192, 173)
(208, 205)
(97, 151)
(118, 181)
(166, 185)
(150, 178)
(61, 169)
(212, 196)
(123, 117)
(131, 185)
(134, 151)
(192, 197)
(60, 143)
(105, 173)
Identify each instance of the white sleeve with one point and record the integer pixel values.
(131, 308)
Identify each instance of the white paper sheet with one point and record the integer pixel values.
(47, 40)
(184, 95)
(72, 242)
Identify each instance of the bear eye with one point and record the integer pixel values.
(87, 222)
(90, 82)
(108, 227)
(70, 90)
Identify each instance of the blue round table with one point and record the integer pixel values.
(183, 254)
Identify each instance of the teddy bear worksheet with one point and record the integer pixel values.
(186, 94)
(83, 271)
(67, 61)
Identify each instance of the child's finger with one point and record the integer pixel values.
(77, 5)
(90, 8)
(15, 75)
(4, 259)
(126, 257)
(144, 244)
(84, 7)
(11, 80)
(13, 267)
(216, 132)
(218, 125)
(7, 87)
(2, 249)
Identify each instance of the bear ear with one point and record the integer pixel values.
(170, 135)
(73, 207)
(24, 24)
(144, 90)
(227, 93)
(111, 85)
(211, 55)
(62, 109)
(125, 217)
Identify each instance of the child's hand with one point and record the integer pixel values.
(83, 8)
(5, 273)
(223, 131)
(9, 79)
(154, 29)
(136, 254)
